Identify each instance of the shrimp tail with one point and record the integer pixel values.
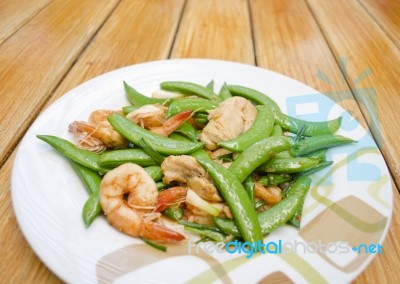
(170, 196)
(172, 123)
(157, 232)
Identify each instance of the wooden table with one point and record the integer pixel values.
(48, 47)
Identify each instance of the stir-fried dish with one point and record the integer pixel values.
(226, 165)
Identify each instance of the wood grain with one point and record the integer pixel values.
(14, 14)
(373, 62)
(35, 59)
(289, 41)
(217, 29)
(137, 31)
(387, 15)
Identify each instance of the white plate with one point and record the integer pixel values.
(347, 206)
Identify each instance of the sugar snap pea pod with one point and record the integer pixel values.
(274, 179)
(236, 198)
(195, 104)
(201, 121)
(198, 226)
(289, 165)
(189, 88)
(149, 149)
(249, 186)
(137, 99)
(224, 93)
(201, 115)
(311, 144)
(174, 213)
(219, 237)
(163, 145)
(113, 159)
(283, 155)
(278, 215)
(154, 172)
(128, 109)
(178, 137)
(69, 150)
(210, 85)
(91, 209)
(318, 154)
(277, 131)
(91, 179)
(321, 165)
(255, 96)
(187, 130)
(287, 122)
(261, 128)
(311, 128)
(160, 185)
(256, 155)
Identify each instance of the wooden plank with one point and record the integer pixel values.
(18, 263)
(14, 14)
(373, 63)
(36, 57)
(137, 31)
(288, 40)
(387, 14)
(218, 29)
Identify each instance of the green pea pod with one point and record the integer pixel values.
(236, 198)
(189, 88)
(201, 121)
(224, 93)
(210, 85)
(320, 166)
(187, 130)
(70, 151)
(154, 172)
(91, 209)
(199, 226)
(128, 109)
(274, 179)
(173, 213)
(290, 165)
(255, 96)
(250, 187)
(137, 99)
(218, 237)
(195, 104)
(163, 145)
(91, 179)
(149, 149)
(160, 185)
(315, 143)
(287, 122)
(318, 154)
(178, 137)
(311, 128)
(277, 131)
(278, 215)
(261, 128)
(283, 155)
(113, 159)
(256, 155)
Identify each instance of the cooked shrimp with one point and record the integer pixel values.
(185, 170)
(270, 194)
(97, 135)
(230, 119)
(152, 117)
(128, 196)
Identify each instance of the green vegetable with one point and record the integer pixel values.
(224, 93)
(290, 165)
(195, 104)
(70, 151)
(315, 143)
(137, 99)
(256, 155)
(189, 88)
(154, 245)
(274, 179)
(173, 213)
(236, 198)
(149, 149)
(154, 172)
(114, 158)
(278, 215)
(163, 145)
(261, 128)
